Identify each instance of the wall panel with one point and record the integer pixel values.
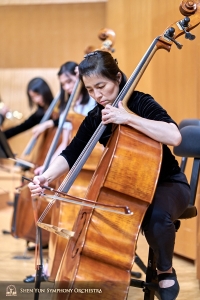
(45, 36)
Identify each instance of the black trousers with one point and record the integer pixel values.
(169, 202)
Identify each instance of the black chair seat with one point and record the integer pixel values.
(187, 122)
(189, 146)
(190, 212)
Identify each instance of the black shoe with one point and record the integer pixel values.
(33, 248)
(6, 232)
(169, 293)
(31, 278)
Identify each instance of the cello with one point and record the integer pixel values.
(94, 256)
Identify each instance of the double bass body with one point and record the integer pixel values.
(27, 210)
(101, 253)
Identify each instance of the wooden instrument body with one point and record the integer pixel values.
(101, 253)
(39, 153)
(64, 214)
(23, 223)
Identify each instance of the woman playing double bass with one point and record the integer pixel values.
(104, 80)
(40, 95)
(84, 103)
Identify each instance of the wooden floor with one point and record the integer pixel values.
(16, 263)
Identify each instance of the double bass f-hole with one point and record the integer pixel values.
(82, 223)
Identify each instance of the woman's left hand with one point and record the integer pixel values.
(111, 114)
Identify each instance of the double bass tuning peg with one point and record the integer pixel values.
(169, 35)
(184, 24)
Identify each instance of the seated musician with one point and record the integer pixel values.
(84, 103)
(104, 80)
(39, 94)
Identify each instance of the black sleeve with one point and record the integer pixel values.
(2, 118)
(33, 120)
(145, 106)
(55, 122)
(83, 135)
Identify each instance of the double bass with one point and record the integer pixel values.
(100, 253)
(26, 211)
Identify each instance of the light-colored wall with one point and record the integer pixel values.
(45, 36)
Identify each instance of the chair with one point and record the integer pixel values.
(189, 147)
(183, 123)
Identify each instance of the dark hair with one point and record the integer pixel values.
(69, 68)
(39, 85)
(100, 63)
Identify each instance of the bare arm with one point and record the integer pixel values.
(66, 136)
(38, 129)
(57, 168)
(166, 133)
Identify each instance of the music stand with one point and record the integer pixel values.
(6, 152)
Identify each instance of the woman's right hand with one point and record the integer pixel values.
(35, 186)
(38, 129)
